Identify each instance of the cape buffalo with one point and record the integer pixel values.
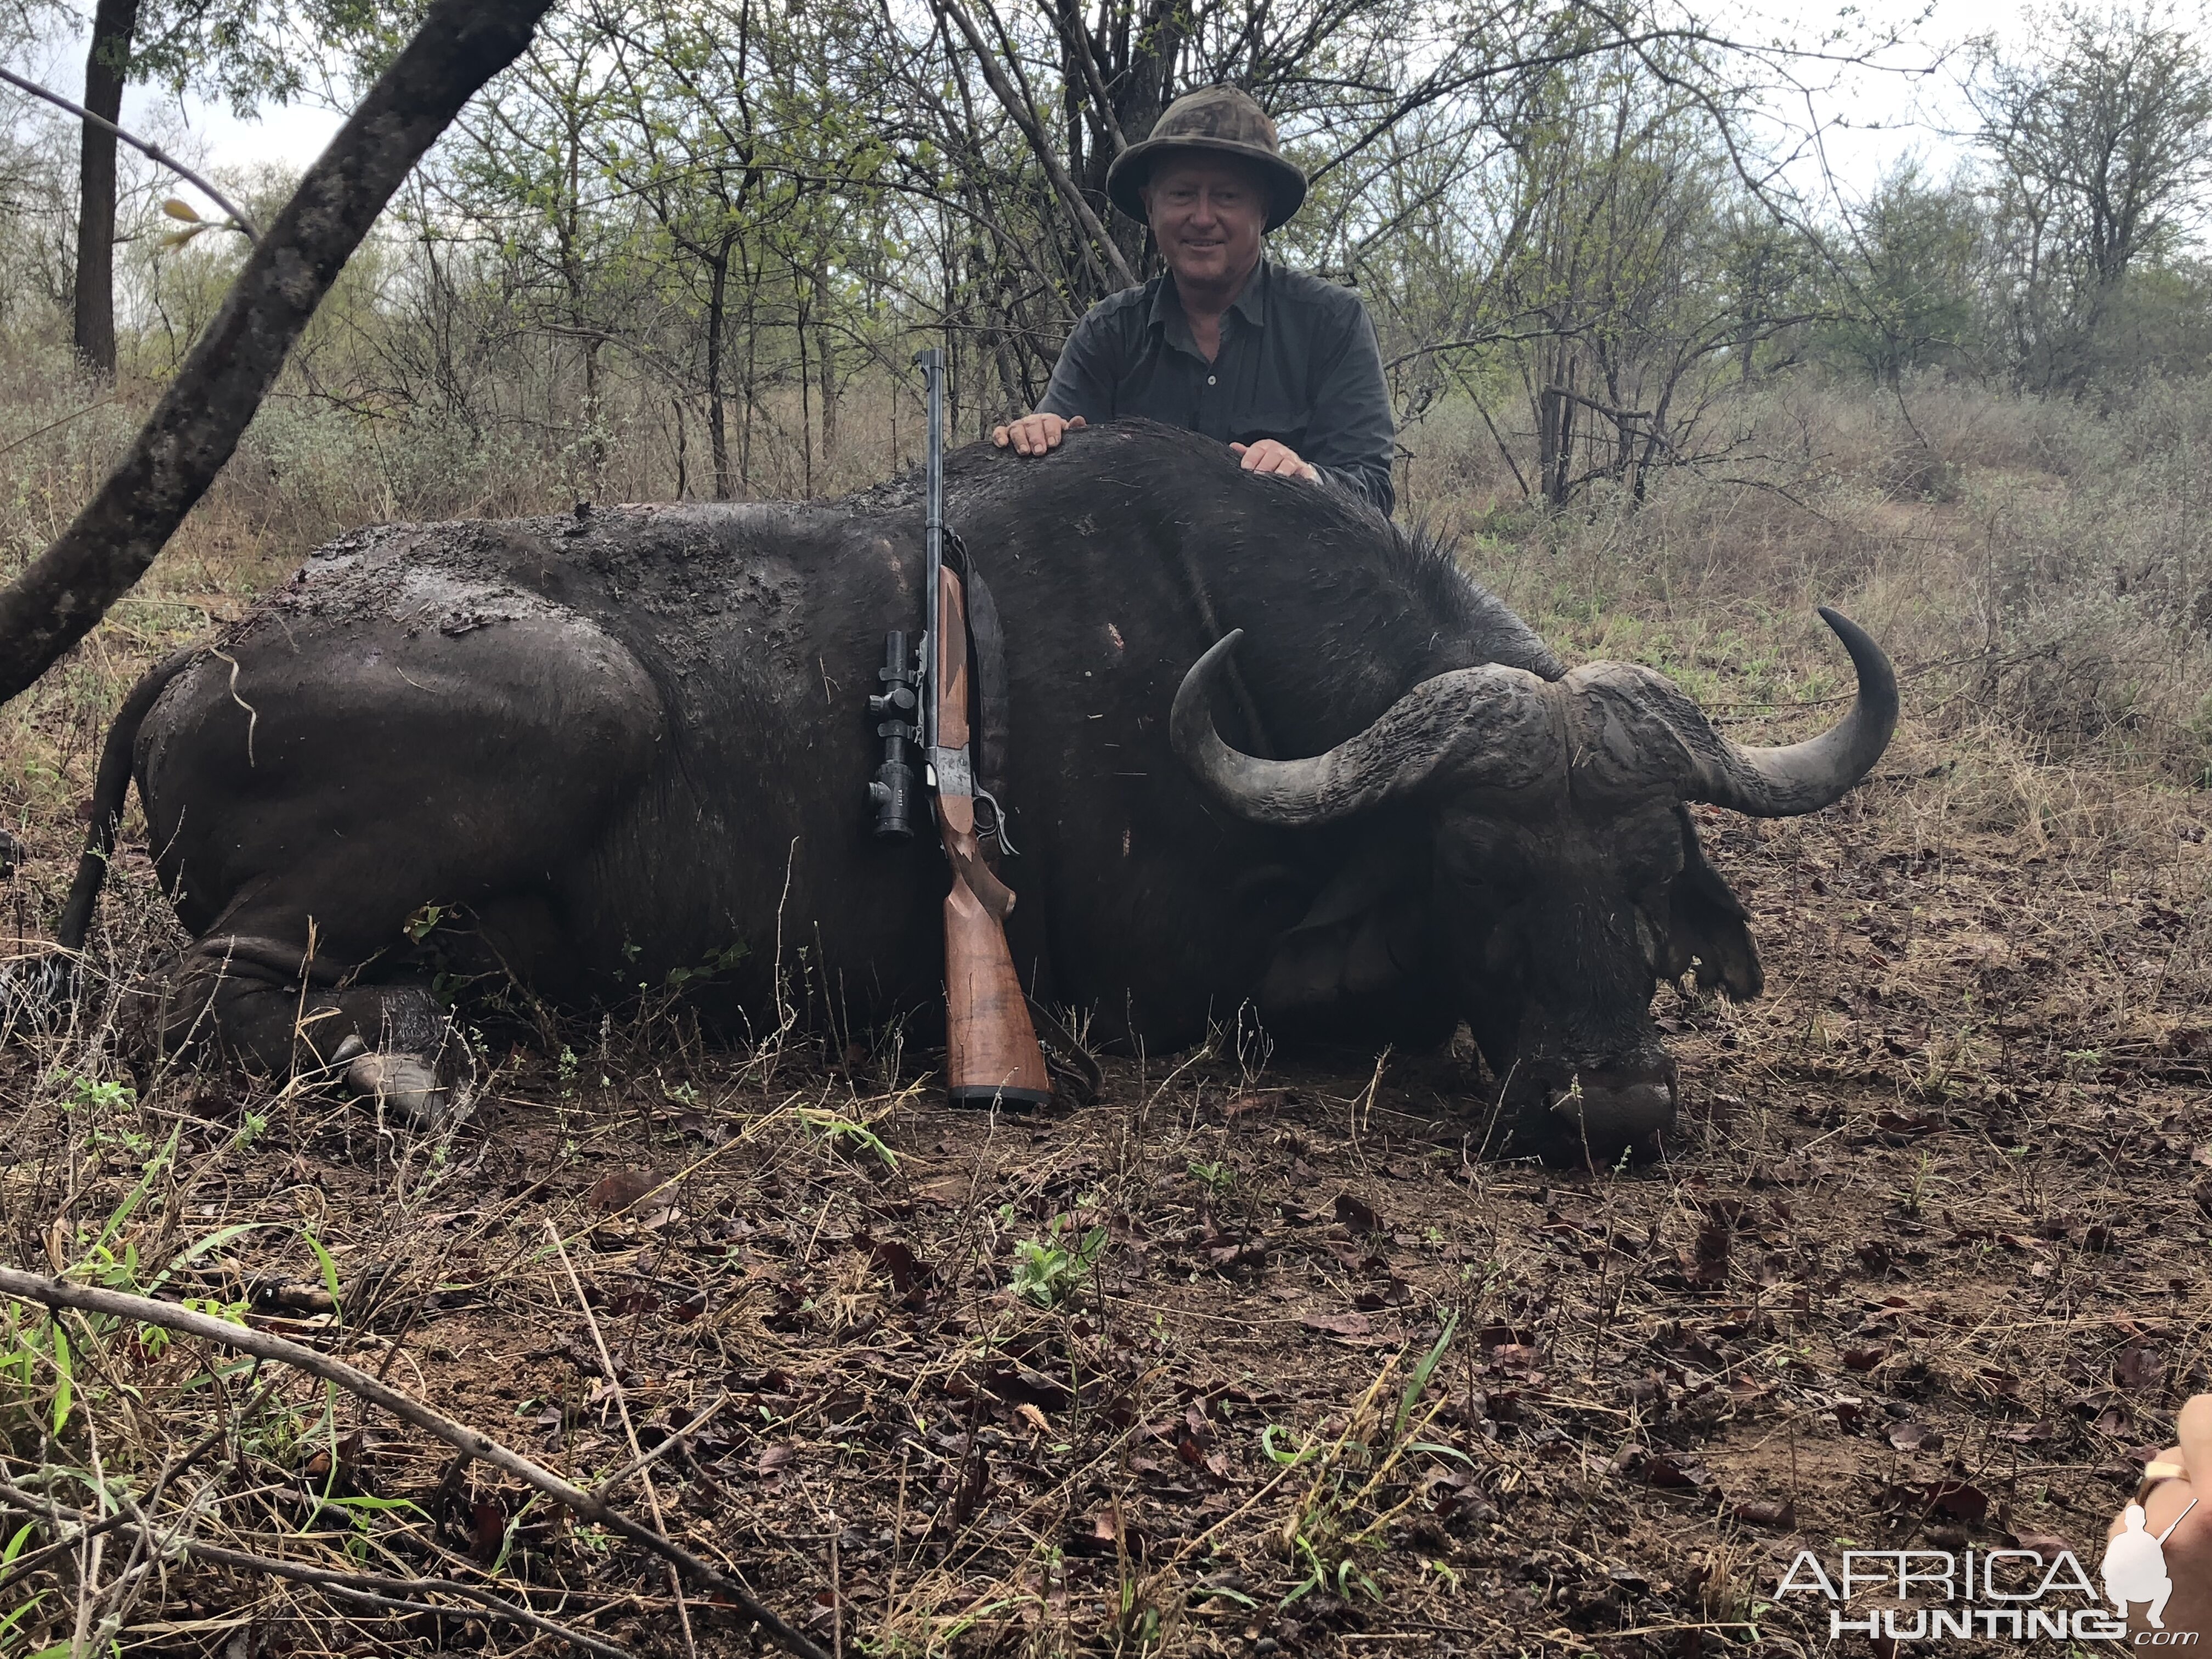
(628, 747)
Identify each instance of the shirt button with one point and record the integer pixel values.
(1209, 380)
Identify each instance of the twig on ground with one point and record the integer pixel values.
(637, 1465)
(29, 1562)
(56, 1293)
(392, 1593)
(630, 1431)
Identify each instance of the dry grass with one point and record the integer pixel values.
(1925, 1263)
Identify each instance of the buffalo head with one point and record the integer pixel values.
(1567, 880)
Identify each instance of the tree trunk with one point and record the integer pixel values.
(806, 400)
(66, 592)
(595, 444)
(752, 379)
(825, 361)
(682, 454)
(114, 23)
(718, 421)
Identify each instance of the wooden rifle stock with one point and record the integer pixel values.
(991, 1053)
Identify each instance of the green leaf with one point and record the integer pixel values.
(1434, 1449)
(214, 1241)
(154, 1167)
(1417, 1383)
(25, 1612)
(1215, 1592)
(62, 1392)
(330, 1271)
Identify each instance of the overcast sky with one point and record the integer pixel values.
(1871, 119)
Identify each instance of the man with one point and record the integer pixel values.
(1281, 366)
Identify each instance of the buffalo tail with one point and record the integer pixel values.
(110, 785)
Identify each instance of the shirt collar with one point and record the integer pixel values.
(1251, 302)
(1166, 312)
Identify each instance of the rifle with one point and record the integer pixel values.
(991, 1053)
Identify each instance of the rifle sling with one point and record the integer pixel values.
(986, 643)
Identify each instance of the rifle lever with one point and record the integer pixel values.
(993, 829)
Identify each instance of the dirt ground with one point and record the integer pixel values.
(1252, 1356)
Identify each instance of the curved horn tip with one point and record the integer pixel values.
(1189, 698)
(1208, 663)
(1804, 777)
(1842, 626)
(1877, 677)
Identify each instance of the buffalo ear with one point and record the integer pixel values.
(1708, 925)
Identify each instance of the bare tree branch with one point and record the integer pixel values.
(1040, 143)
(193, 429)
(145, 147)
(58, 1293)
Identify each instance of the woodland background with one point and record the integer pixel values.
(688, 248)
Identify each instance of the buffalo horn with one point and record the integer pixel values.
(1473, 725)
(1804, 777)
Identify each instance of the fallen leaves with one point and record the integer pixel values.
(1774, 1515)
(1669, 1470)
(1338, 1324)
(618, 1189)
(1915, 1437)
(1708, 1309)
(1356, 1213)
(1223, 1251)
(2140, 1367)
(2049, 1545)
(1708, 1266)
(1955, 1500)
(1108, 1534)
(487, 1531)
(908, 1273)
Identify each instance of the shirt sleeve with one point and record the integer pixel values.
(1352, 435)
(1083, 378)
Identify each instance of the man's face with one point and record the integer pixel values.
(1207, 215)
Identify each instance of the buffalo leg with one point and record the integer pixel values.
(305, 807)
(267, 1004)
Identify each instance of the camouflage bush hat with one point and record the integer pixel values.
(1218, 120)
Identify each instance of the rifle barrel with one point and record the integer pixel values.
(932, 370)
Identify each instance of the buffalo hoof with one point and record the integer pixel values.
(1599, 1120)
(405, 1085)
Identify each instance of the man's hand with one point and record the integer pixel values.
(1033, 435)
(1268, 456)
(2189, 1551)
